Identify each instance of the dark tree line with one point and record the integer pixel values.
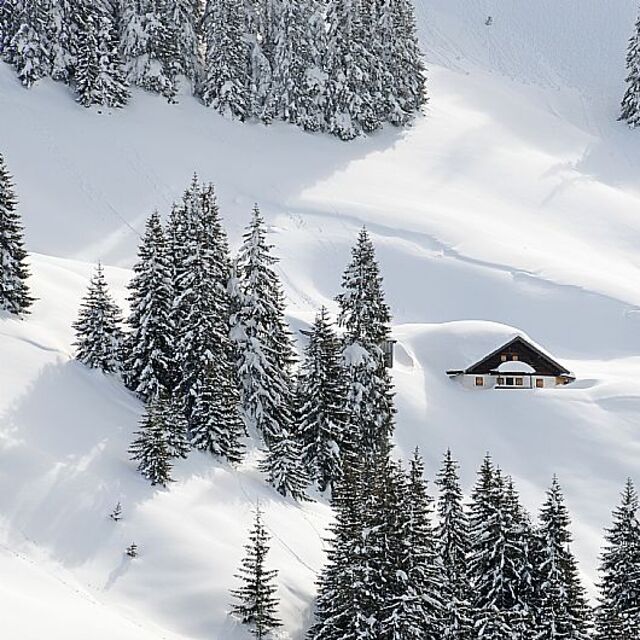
(341, 66)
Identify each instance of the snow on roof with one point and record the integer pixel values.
(515, 366)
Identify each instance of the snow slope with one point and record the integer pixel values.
(510, 207)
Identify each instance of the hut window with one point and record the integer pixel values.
(515, 357)
(539, 383)
(500, 381)
(509, 382)
(503, 358)
(519, 382)
(479, 381)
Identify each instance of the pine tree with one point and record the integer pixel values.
(562, 610)
(215, 424)
(150, 448)
(344, 604)
(98, 74)
(283, 468)
(412, 588)
(618, 612)
(168, 410)
(295, 57)
(61, 38)
(28, 44)
(182, 18)
(201, 316)
(10, 21)
(258, 27)
(348, 67)
(98, 334)
(453, 548)
(15, 296)
(630, 112)
(225, 78)
(365, 318)
(151, 349)
(322, 422)
(262, 337)
(256, 600)
(147, 47)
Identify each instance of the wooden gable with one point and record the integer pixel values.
(518, 349)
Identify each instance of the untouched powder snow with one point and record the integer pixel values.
(512, 207)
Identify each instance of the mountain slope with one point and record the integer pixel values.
(510, 206)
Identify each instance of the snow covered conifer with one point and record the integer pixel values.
(256, 600)
(98, 327)
(225, 83)
(365, 317)
(294, 65)
(15, 296)
(322, 421)
(182, 18)
(630, 111)
(562, 610)
(201, 315)
(99, 76)
(262, 337)
(150, 354)
(169, 413)
(413, 586)
(618, 611)
(147, 48)
(216, 426)
(283, 468)
(453, 547)
(150, 448)
(258, 34)
(27, 48)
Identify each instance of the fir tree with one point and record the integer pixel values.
(283, 468)
(98, 69)
(150, 448)
(562, 610)
(258, 19)
(182, 18)
(365, 318)
(256, 600)
(15, 296)
(147, 47)
(201, 315)
(168, 411)
(225, 78)
(412, 589)
(10, 21)
(98, 327)
(295, 59)
(322, 422)
(618, 612)
(344, 607)
(151, 349)
(630, 112)
(453, 548)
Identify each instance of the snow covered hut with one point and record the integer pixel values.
(518, 364)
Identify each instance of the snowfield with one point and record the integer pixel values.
(511, 207)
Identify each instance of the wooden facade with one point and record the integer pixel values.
(518, 364)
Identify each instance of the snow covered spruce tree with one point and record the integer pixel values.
(453, 547)
(150, 449)
(265, 356)
(150, 353)
(15, 297)
(297, 57)
(146, 46)
(630, 112)
(412, 587)
(99, 336)
(322, 421)
(618, 612)
(99, 76)
(200, 314)
(498, 562)
(562, 609)
(225, 80)
(365, 318)
(256, 600)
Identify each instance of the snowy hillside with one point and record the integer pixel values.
(512, 206)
